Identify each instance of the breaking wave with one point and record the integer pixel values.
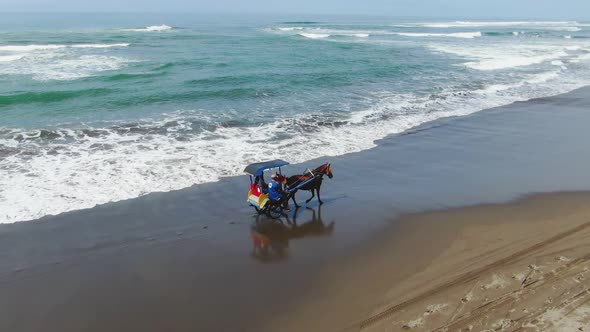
(151, 28)
(45, 62)
(50, 171)
(468, 35)
(290, 28)
(314, 35)
(477, 24)
(503, 56)
(33, 47)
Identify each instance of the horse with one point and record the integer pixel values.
(313, 185)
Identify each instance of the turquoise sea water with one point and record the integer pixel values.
(99, 108)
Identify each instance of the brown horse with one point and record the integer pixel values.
(313, 185)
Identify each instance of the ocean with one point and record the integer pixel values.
(106, 107)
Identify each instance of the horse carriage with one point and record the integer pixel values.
(258, 194)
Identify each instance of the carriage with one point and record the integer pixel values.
(258, 195)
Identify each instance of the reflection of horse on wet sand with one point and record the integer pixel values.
(271, 238)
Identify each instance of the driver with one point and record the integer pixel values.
(276, 192)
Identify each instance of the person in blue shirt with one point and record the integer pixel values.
(276, 192)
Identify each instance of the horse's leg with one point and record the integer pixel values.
(293, 198)
(319, 199)
(312, 196)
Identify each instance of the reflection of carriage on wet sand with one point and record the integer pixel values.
(310, 180)
(271, 239)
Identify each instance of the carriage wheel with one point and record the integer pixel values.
(275, 212)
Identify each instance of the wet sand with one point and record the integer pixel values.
(185, 261)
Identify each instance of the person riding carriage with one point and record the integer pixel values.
(273, 199)
(276, 190)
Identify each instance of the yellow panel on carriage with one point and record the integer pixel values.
(262, 199)
(257, 201)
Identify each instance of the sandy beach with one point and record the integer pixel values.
(470, 223)
(521, 266)
(502, 267)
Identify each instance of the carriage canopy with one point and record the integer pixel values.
(257, 169)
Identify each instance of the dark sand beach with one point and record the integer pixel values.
(407, 229)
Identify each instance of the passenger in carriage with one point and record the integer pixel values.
(276, 192)
(259, 181)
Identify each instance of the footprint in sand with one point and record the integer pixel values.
(431, 309)
(497, 282)
(564, 259)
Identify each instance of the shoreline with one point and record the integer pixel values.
(441, 121)
(185, 256)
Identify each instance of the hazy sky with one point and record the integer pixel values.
(533, 9)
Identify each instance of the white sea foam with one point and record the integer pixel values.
(314, 35)
(33, 47)
(472, 24)
(64, 175)
(28, 48)
(571, 29)
(58, 61)
(290, 28)
(319, 33)
(54, 68)
(7, 58)
(503, 56)
(542, 77)
(152, 28)
(581, 58)
(99, 45)
(567, 37)
(467, 35)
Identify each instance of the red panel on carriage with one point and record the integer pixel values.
(255, 189)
